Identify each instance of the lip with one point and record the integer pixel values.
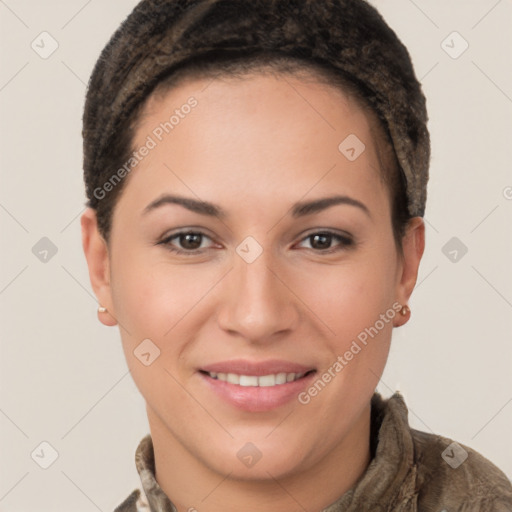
(256, 398)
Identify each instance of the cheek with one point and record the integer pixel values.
(349, 297)
(150, 300)
(152, 296)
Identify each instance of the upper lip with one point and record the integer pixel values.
(257, 368)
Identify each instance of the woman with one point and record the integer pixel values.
(256, 175)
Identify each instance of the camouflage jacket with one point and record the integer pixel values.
(410, 471)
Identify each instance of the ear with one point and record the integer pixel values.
(96, 253)
(413, 244)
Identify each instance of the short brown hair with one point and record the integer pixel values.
(346, 43)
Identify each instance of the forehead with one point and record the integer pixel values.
(263, 131)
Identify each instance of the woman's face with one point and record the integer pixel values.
(291, 268)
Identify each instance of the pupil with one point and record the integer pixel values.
(324, 241)
(189, 242)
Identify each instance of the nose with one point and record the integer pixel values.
(257, 303)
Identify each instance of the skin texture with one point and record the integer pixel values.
(255, 147)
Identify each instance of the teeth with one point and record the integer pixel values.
(281, 378)
(253, 380)
(267, 380)
(233, 378)
(248, 380)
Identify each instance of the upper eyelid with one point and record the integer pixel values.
(185, 231)
(172, 236)
(344, 238)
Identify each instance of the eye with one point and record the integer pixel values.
(321, 241)
(191, 242)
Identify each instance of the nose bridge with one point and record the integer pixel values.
(258, 304)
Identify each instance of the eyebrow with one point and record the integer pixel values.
(300, 209)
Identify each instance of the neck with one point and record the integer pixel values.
(191, 485)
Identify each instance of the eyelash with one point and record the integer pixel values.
(346, 242)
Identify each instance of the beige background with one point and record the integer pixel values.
(64, 379)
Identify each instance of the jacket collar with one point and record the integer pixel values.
(389, 478)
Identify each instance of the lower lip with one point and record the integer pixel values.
(256, 398)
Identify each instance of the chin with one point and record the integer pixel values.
(256, 461)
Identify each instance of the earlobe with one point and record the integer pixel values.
(96, 253)
(413, 248)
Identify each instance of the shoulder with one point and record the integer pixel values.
(452, 476)
(134, 503)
